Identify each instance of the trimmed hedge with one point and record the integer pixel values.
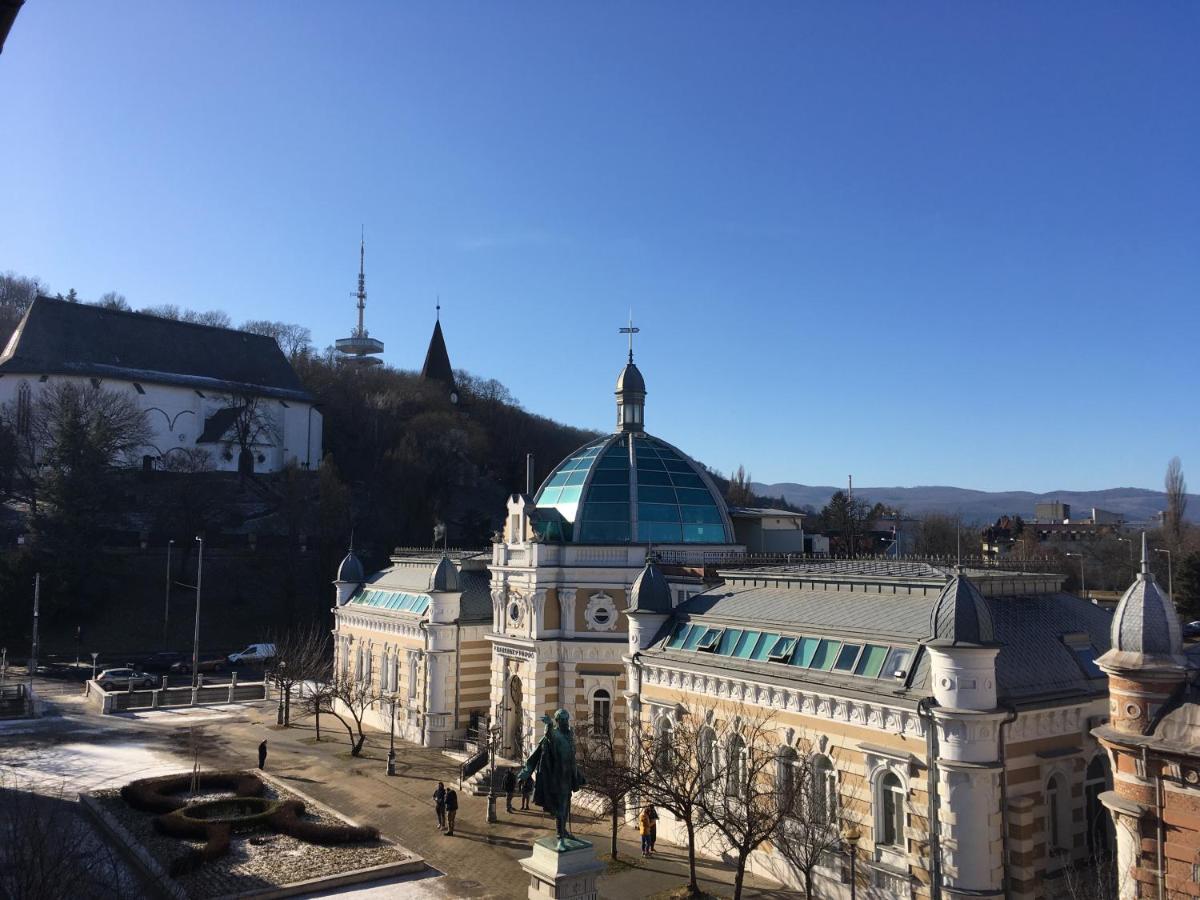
(152, 794)
(287, 819)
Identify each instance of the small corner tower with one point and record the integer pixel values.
(631, 391)
(437, 360)
(1145, 664)
(649, 605)
(350, 577)
(360, 347)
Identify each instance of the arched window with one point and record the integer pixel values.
(1099, 822)
(412, 676)
(367, 659)
(788, 787)
(665, 739)
(891, 806)
(735, 758)
(823, 790)
(24, 407)
(1056, 807)
(358, 665)
(601, 711)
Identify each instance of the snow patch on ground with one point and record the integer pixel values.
(73, 767)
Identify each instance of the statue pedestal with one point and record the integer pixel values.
(568, 874)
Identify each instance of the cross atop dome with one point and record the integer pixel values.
(631, 331)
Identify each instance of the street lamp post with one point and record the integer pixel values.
(95, 656)
(1082, 575)
(167, 596)
(391, 760)
(850, 837)
(1129, 541)
(493, 745)
(196, 635)
(4, 664)
(1170, 576)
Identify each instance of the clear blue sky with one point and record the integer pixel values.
(926, 243)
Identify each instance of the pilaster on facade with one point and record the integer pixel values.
(566, 610)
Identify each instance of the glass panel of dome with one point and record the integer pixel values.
(606, 512)
(558, 479)
(685, 479)
(701, 515)
(677, 465)
(765, 644)
(695, 496)
(826, 652)
(847, 657)
(611, 476)
(658, 512)
(579, 476)
(659, 532)
(570, 494)
(604, 532)
(549, 496)
(704, 534)
(871, 661)
(650, 464)
(608, 492)
(654, 494)
(729, 640)
(805, 651)
(746, 645)
(615, 459)
(648, 476)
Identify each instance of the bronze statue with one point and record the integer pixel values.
(557, 775)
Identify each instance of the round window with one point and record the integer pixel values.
(514, 611)
(601, 615)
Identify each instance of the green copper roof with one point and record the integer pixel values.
(635, 488)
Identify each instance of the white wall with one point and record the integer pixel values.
(177, 415)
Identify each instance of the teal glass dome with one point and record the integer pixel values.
(632, 488)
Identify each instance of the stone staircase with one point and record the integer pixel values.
(477, 784)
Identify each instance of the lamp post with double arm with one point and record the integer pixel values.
(391, 760)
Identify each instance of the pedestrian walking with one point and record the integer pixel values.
(526, 790)
(653, 828)
(439, 805)
(510, 786)
(262, 755)
(451, 810)
(644, 830)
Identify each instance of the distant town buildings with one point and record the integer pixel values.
(228, 394)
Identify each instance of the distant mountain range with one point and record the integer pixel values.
(1136, 504)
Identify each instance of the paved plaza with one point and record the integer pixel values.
(72, 749)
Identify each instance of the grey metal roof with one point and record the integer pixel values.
(57, 337)
(1033, 664)
(476, 598)
(898, 568)
(650, 592)
(419, 574)
(444, 576)
(631, 379)
(351, 569)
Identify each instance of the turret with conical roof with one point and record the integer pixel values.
(649, 605)
(962, 647)
(1145, 630)
(350, 576)
(437, 360)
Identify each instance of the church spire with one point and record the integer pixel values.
(437, 359)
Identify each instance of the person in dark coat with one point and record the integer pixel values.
(510, 786)
(451, 810)
(526, 790)
(439, 805)
(262, 755)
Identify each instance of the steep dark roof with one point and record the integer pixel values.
(650, 592)
(57, 337)
(444, 576)
(437, 360)
(961, 617)
(351, 569)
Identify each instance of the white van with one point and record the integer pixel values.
(256, 654)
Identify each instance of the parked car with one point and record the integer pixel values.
(255, 654)
(122, 679)
(184, 666)
(163, 662)
(1192, 629)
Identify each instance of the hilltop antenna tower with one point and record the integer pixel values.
(360, 348)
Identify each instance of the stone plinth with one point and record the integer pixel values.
(568, 874)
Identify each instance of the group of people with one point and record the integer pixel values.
(648, 828)
(445, 804)
(512, 784)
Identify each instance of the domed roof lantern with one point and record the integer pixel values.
(631, 391)
(960, 617)
(351, 569)
(1145, 627)
(444, 577)
(650, 592)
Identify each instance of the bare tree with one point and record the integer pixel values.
(303, 655)
(740, 492)
(348, 700)
(604, 761)
(808, 834)
(750, 800)
(214, 318)
(292, 339)
(251, 426)
(676, 767)
(1176, 488)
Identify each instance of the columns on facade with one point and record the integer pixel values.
(537, 618)
(498, 597)
(566, 609)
